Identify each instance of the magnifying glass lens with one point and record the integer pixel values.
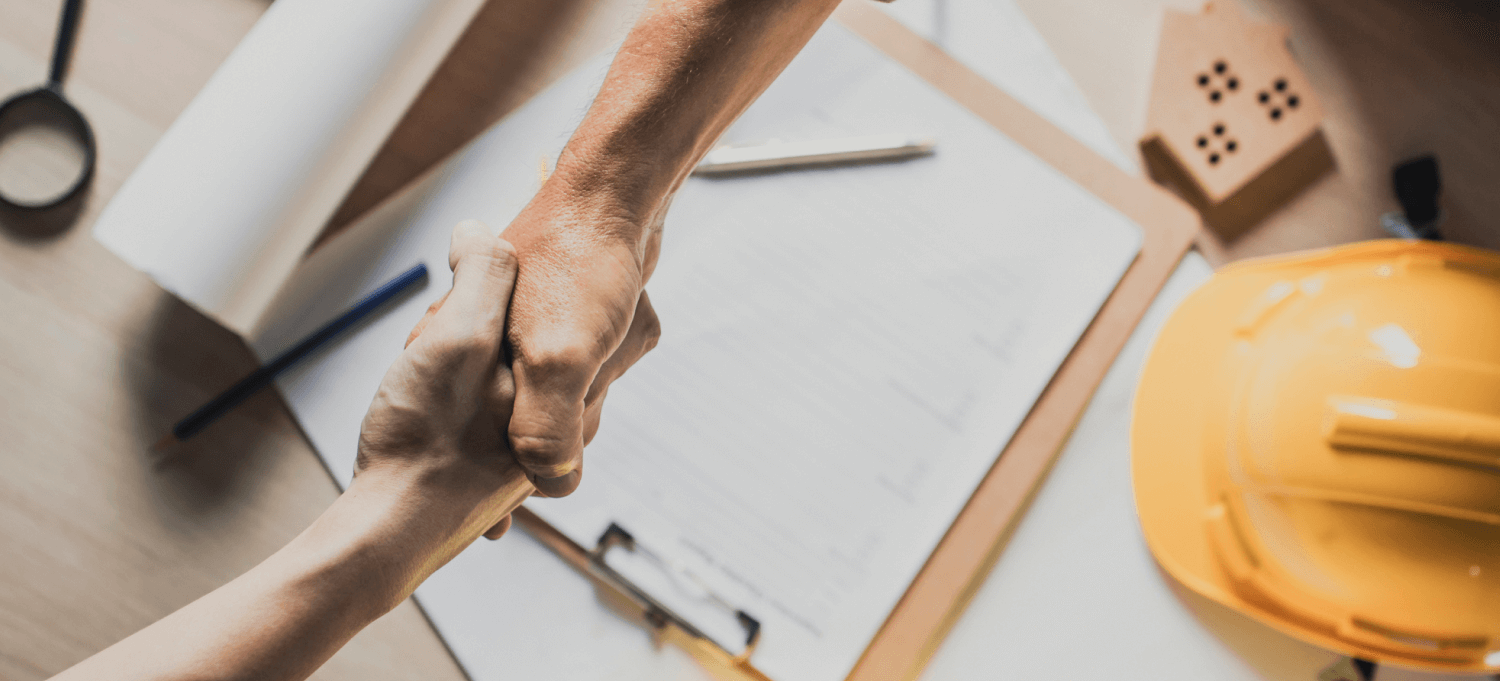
(44, 149)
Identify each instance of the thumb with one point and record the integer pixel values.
(484, 274)
(546, 427)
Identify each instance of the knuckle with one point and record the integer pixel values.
(482, 340)
(559, 361)
(450, 353)
(472, 241)
(649, 321)
(652, 331)
(503, 251)
(504, 387)
(462, 241)
(558, 486)
(496, 257)
(544, 455)
(450, 347)
(495, 260)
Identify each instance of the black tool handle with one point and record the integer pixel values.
(62, 51)
(1418, 186)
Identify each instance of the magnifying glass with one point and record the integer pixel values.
(46, 147)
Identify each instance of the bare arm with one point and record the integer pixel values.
(437, 468)
(434, 473)
(686, 72)
(589, 239)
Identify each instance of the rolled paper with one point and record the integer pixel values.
(225, 205)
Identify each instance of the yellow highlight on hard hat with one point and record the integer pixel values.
(1316, 444)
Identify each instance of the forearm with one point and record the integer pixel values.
(688, 69)
(288, 615)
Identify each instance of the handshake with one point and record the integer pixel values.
(502, 382)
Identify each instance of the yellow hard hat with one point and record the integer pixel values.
(1316, 444)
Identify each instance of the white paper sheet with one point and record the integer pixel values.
(227, 202)
(845, 350)
(994, 38)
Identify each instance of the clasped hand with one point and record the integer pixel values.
(507, 373)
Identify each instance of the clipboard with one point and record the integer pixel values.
(936, 598)
(931, 603)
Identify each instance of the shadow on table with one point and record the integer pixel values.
(507, 55)
(1414, 77)
(183, 359)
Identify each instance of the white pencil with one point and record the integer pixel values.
(777, 154)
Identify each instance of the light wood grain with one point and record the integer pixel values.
(938, 595)
(96, 362)
(952, 574)
(103, 538)
(1397, 78)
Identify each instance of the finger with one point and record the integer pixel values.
(591, 413)
(560, 486)
(555, 366)
(546, 427)
(498, 530)
(502, 399)
(645, 331)
(426, 318)
(484, 274)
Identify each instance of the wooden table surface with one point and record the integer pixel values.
(102, 537)
(1398, 78)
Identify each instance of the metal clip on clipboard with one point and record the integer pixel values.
(657, 614)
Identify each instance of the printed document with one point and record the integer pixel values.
(845, 350)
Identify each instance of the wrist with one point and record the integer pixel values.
(624, 184)
(391, 530)
(347, 562)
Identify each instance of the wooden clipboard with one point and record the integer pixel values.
(954, 571)
(963, 558)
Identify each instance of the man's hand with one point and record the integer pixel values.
(589, 239)
(439, 449)
(439, 419)
(434, 472)
(580, 318)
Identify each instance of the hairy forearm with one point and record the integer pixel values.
(288, 615)
(688, 69)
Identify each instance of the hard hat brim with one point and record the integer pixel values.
(1174, 404)
(1181, 398)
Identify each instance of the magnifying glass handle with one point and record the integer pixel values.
(63, 50)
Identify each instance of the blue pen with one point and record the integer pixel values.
(263, 376)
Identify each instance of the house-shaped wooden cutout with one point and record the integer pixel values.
(1234, 126)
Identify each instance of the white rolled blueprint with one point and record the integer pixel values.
(226, 204)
